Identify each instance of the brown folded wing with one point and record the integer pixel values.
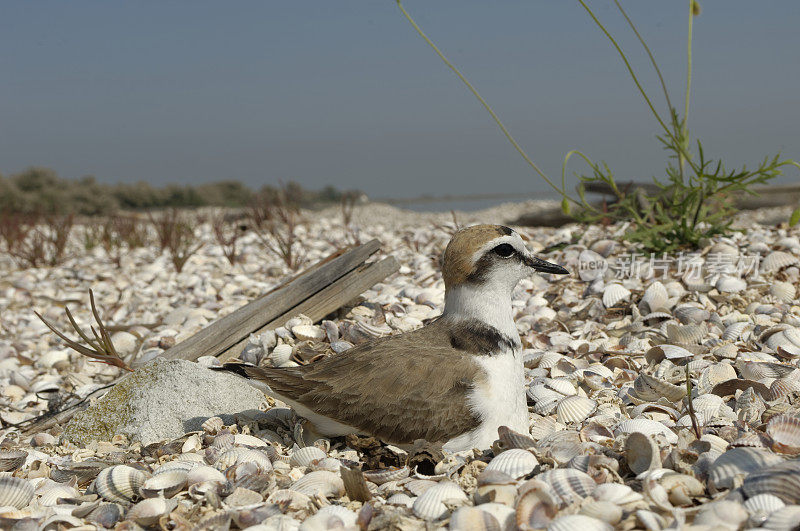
(398, 388)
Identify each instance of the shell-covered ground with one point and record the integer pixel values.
(615, 440)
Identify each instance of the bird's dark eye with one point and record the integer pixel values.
(504, 250)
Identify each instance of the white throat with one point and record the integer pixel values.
(487, 303)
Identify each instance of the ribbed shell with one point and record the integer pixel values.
(738, 462)
(651, 389)
(53, 493)
(237, 455)
(786, 518)
(319, 482)
(147, 512)
(15, 492)
(785, 433)
(120, 483)
(515, 462)
(569, 485)
(430, 504)
(303, 457)
(615, 493)
(473, 519)
(761, 506)
(647, 427)
(575, 409)
(613, 294)
(12, 459)
(165, 484)
(572, 522)
(776, 260)
(202, 474)
(783, 291)
(379, 477)
(606, 511)
(714, 374)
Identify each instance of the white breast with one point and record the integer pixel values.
(499, 400)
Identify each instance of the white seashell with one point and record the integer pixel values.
(280, 354)
(53, 493)
(575, 409)
(148, 512)
(591, 266)
(761, 506)
(204, 474)
(691, 314)
(606, 511)
(241, 497)
(569, 485)
(616, 493)
(544, 400)
(166, 484)
(12, 459)
(184, 465)
(379, 477)
(305, 332)
(213, 425)
(330, 517)
(430, 504)
(401, 499)
(561, 386)
(783, 291)
(647, 427)
(737, 463)
(473, 518)
(729, 284)
(641, 453)
(656, 298)
(515, 462)
(504, 515)
(777, 260)
(613, 294)
(243, 439)
(319, 482)
(784, 519)
(302, 457)
(785, 433)
(578, 521)
(651, 389)
(713, 375)
(238, 455)
(725, 514)
(119, 483)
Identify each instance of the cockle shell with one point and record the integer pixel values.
(51, 496)
(613, 294)
(786, 338)
(575, 409)
(536, 505)
(237, 455)
(615, 493)
(561, 386)
(641, 453)
(785, 433)
(781, 479)
(107, 514)
(729, 284)
(119, 483)
(12, 459)
(691, 314)
(165, 484)
(303, 457)
(213, 425)
(474, 519)
(786, 518)
(305, 332)
(430, 504)
(204, 474)
(651, 389)
(737, 463)
(723, 513)
(647, 427)
(379, 477)
(783, 291)
(777, 260)
(319, 482)
(761, 506)
(243, 439)
(280, 354)
(714, 374)
(569, 485)
(147, 512)
(656, 298)
(606, 511)
(572, 522)
(544, 400)
(515, 462)
(15, 492)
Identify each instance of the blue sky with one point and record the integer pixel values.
(346, 93)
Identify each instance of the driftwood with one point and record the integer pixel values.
(768, 196)
(225, 333)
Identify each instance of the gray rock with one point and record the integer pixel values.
(162, 401)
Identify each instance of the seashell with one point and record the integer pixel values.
(204, 474)
(761, 506)
(224, 440)
(578, 521)
(302, 457)
(212, 425)
(544, 426)
(536, 506)
(737, 463)
(651, 389)
(786, 339)
(783, 291)
(729, 284)
(418, 486)
(511, 439)
(241, 497)
(641, 453)
(148, 512)
(575, 409)
(604, 247)
(430, 504)
(561, 386)
(107, 514)
(606, 511)
(569, 485)
(280, 354)
(670, 352)
(656, 298)
(686, 334)
(713, 375)
(119, 484)
(473, 518)
(786, 518)
(401, 499)
(544, 400)
(616, 493)
(292, 499)
(54, 493)
(781, 479)
(15, 492)
(647, 427)
(237, 455)
(305, 332)
(514, 462)
(613, 294)
(319, 482)
(722, 513)
(785, 433)
(243, 439)
(166, 484)
(691, 314)
(596, 433)
(776, 260)
(379, 477)
(12, 459)
(330, 517)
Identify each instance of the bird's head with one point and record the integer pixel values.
(490, 255)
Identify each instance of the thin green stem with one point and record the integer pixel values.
(649, 53)
(685, 121)
(484, 103)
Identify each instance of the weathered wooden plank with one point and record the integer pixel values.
(328, 299)
(232, 328)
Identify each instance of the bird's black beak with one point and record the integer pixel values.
(545, 267)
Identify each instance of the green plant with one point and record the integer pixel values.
(695, 199)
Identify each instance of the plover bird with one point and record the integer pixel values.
(455, 380)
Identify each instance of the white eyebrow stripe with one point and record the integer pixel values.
(514, 240)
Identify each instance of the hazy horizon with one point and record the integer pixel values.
(347, 94)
